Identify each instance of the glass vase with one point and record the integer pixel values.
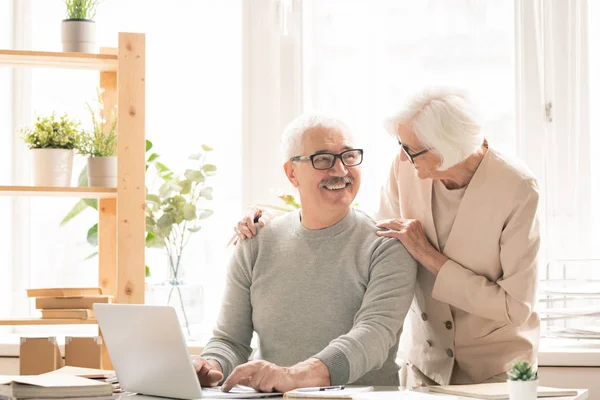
(185, 296)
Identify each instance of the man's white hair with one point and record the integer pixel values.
(443, 120)
(291, 141)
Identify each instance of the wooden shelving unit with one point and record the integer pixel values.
(82, 192)
(121, 219)
(39, 321)
(28, 58)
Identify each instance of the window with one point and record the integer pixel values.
(193, 97)
(362, 59)
(6, 98)
(594, 92)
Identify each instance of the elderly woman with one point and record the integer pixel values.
(468, 215)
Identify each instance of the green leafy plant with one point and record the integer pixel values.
(81, 9)
(522, 371)
(102, 140)
(173, 211)
(52, 133)
(83, 204)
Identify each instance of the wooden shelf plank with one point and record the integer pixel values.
(40, 321)
(82, 192)
(47, 59)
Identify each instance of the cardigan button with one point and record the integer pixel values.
(450, 353)
(449, 325)
(424, 316)
(429, 343)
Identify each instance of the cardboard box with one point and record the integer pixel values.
(39, 355)
(83, 352)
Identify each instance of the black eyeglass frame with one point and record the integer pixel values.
(411, 157)
(335, 156)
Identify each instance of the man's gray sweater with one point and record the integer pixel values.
(338, 294)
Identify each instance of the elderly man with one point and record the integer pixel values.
(326, 296)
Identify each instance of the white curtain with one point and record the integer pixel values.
(553, 119)
(568, 161)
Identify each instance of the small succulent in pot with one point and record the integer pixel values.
(522, 381)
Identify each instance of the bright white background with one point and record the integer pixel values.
(231, 74)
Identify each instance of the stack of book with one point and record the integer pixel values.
(53, 386)
(67, 303)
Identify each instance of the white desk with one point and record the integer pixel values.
(422, 394)
(381, 395)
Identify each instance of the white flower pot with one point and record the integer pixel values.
(79, 35)
(102, 171)
(52, 167)
(522, 390)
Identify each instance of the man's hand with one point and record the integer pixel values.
(268, 377)
(209, 371)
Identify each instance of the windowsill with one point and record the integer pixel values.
(553, 352)
(569, 353)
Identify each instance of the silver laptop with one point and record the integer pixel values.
(150, 355)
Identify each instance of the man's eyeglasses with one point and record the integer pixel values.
(410, 156)
(322, 161)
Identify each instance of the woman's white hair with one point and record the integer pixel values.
(291, 141)
(443, 120)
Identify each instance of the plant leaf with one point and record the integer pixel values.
(165, 221)
(186, 186)
(92, 203)
(207, 193)
(189, 212)
(94, 254)
(75, 211)
(175, 186)
(92, 235)
(82, 180)
(207, 148)
(195, 156)
(209, 168)
(153, 241)
(147, 271)
(161, 167)
(194, 175)
(178, 202)
(148, 145)
(194, 229)
(152, 157)
(153, 199)
(205, 214)
(150, 223)
(164, 189)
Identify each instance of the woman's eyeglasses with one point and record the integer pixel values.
(410, 156)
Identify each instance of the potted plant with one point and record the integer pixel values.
(52, 143)
(522, 382)
(100, 145)
(78, 27)
(174, 212)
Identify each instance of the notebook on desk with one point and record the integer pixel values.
(496, 391)
(344, 393)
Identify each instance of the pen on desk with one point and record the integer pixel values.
(320, 388)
